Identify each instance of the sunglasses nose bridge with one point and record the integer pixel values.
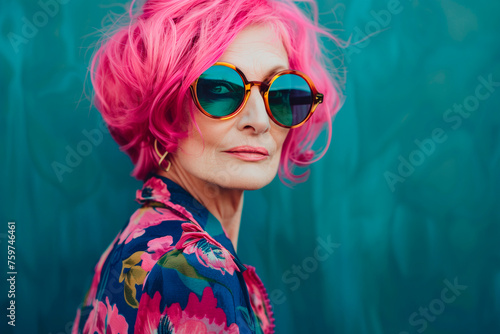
(262, 86)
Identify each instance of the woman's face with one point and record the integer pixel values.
(222, 154)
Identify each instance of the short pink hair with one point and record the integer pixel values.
(141, 73)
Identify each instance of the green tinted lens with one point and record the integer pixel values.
(290, 99)
(220, 90)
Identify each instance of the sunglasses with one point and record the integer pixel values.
(222, 91)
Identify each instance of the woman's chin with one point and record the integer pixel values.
(247, 182)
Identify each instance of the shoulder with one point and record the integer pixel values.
(151, 232)
(151, 219)
(119, 276)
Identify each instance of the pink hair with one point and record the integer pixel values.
(141, 74)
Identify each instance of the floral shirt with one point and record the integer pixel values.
(172, 269)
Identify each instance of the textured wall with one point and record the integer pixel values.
(395, 232)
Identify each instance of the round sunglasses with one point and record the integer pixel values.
(222, 91)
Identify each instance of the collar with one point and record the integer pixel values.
(162, 190)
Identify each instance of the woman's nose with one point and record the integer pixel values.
(254, 115)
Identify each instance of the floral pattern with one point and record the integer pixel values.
(106, 319)
(208, 251)
(259, 300)
(156, 248)
(199, 316)
(149, 314)
(164, 273)
(132, 274)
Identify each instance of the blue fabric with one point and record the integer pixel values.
(397, 247)
(164, 267)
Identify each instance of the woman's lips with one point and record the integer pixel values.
(248, 153)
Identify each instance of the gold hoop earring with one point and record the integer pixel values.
(162, 157)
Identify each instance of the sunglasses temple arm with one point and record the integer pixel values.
(306, 99)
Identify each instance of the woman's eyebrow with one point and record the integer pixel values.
(274, 70)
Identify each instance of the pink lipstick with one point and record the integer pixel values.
(248, 153)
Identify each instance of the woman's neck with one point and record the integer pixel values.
(224, 204)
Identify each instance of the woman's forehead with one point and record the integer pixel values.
(256, 50)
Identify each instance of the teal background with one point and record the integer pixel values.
(397, 242)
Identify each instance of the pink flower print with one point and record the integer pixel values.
(209, 252)
(105, 318)
(144, 218)
(148, 315)
(156, 249)
(259, 299)
(153, 189)
(200, 316)
(156, 190)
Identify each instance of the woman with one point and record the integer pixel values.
(207, 99)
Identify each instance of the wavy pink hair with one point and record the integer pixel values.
(141, 73)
